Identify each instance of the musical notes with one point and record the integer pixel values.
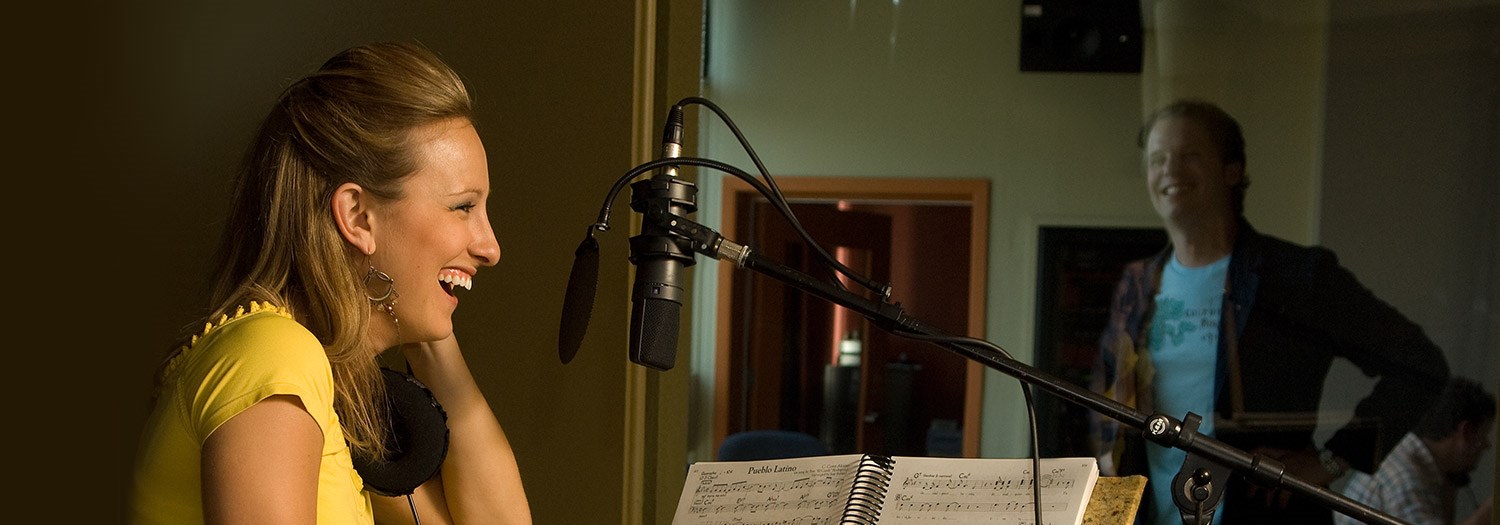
(929, 482)
(799, 520)
(809, 491)
(833, 490)
(987, 491)
(958, 506)
(708, 487)
(763, 506)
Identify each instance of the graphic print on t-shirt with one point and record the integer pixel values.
(1184, 354)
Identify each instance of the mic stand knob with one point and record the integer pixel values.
(1199, 483)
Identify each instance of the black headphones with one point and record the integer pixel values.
(418, 440)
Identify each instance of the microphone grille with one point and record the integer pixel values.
(654, 336)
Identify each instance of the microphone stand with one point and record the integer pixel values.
(1200, 483)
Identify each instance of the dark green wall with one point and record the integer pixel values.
(140, 119)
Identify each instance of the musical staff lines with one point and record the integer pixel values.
(927, 482)
(866, 489)
(768, 493)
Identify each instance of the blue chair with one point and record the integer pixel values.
(754, 445)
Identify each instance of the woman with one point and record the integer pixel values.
(359, 212)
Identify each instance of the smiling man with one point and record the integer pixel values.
(1241, 328)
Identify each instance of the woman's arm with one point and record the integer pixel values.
(261, 466)
(479, 481)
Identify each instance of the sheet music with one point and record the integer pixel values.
(802, 491)
(922, 491)
(953, 491)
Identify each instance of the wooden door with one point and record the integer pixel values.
(784, 345)
(928, 238)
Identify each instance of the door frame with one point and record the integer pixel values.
(974, 192)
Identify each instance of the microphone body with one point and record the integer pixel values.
(659, 257)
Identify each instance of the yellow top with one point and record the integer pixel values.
(236, 363)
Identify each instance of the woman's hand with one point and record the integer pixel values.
(480, 481)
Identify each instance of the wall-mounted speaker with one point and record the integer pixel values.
(1081, 35)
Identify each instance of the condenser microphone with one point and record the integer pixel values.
(659, 257)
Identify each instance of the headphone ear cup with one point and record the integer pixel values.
(418, 440)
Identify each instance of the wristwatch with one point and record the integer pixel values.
(1331, 464)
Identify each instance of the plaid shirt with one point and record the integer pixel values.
(1407, 486)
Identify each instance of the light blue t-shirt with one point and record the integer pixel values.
(1184, 349)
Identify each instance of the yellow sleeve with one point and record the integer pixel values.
(249, 359)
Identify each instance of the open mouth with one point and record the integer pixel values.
(453, 280)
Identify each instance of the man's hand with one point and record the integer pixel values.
(1304, 464)
(1483, 514)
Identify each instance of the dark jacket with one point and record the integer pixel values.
(1294, 310)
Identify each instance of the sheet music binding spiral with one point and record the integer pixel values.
(867, 496)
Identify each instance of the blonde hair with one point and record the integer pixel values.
(1222, 129)
(350, 121)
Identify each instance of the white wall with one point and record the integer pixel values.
(931, 89)
(1263, 63)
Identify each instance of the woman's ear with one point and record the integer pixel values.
(352, 214)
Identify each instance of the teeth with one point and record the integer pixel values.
(458, 280)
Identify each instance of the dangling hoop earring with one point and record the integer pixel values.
(385, 300)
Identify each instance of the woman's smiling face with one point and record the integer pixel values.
(435, 237)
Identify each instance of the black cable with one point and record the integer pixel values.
(603, 224)
(780, 201)
(769, 189)
(409, 501)
(1036, 455)
(773, 194)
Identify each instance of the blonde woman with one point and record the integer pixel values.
(360, 210)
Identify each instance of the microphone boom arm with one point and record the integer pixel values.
(1158, 428)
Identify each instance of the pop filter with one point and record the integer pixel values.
(578, 304)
